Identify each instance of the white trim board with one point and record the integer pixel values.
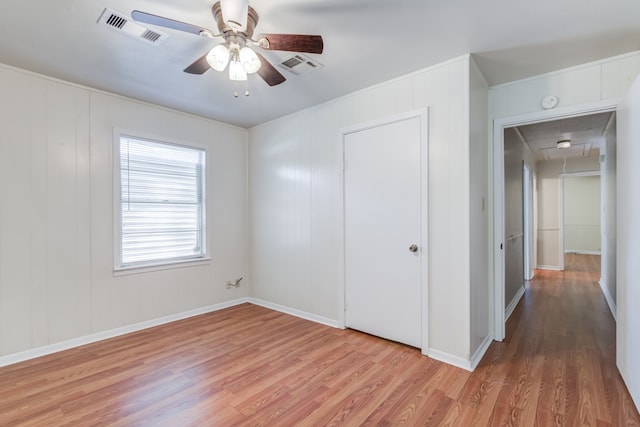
(549, 267)
(112, 333)
(297, 313)
(610, 301)
(480, 352)
(459, 362)
(514, 303)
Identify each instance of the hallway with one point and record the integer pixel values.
(560, 349)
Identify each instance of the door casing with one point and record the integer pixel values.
(423, 115)
(499, 125)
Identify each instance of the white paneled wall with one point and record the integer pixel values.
(608, 177)
(295, 165)
(628, 256)
(56, 214)
(601, 80)
(479, 211)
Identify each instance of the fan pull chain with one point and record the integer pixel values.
(246, 91)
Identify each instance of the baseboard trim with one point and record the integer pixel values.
(549, 267)
(112, 333)
(450, 359)
(580, 252)
(610, 302)
(513, 304)
(295, 312)
(479, 354)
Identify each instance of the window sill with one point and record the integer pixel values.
(139, 269)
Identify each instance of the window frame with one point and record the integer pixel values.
(142, 267)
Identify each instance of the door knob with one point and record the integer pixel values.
(413, 248)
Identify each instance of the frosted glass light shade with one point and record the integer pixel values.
(236, 72)
(234, 13)
(249, 60)
(218, 57)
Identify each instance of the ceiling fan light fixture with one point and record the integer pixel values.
(563, 144)
(234, 13)
(249, 60)
(236, 72)
(218, 57)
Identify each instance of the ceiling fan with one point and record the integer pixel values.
(236, 21)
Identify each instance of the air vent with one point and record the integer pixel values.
(121, 23)
(299, 64)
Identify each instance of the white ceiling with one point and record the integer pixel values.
(366, 42)
(586, 134)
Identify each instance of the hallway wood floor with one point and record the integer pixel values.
(251, 366)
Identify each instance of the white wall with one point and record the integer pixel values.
(550, 255)
(296, 201)
(628, 266)
(581, 219)
(516, 153)
(608, 167)
(596, 81)
(479, 210)
(56, 217)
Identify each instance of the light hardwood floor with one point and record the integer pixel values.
(250, 366)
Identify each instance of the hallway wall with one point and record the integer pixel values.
(516, 153)
(549, 209)
(608, 173)
(628, 260)
(581, 219)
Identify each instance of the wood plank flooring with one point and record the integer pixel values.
(250, 366)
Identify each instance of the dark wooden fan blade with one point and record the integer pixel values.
(161, 21)
(291, 42)
(199, 67)
(268, 72)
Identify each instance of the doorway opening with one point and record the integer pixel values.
(525, 151)
(581, 221)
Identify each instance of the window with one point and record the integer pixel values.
(162, 203)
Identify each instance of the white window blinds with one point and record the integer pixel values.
(162, 202)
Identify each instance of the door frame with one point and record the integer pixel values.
(499, 125)
(561, 208)
(527, 223)
(423, 116)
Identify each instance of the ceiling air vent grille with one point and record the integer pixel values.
(116, 21)
(121, 23)
(152, 36)
(299, 64)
